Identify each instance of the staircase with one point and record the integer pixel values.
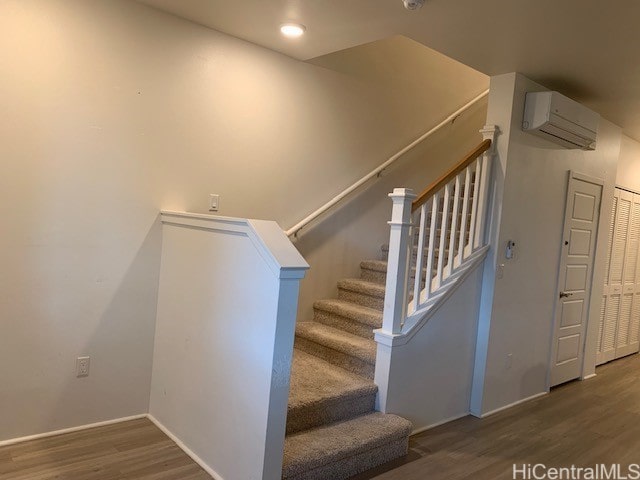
(333, 430)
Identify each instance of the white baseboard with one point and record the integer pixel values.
(437, 424)
(14, 441)
(589, 376)
(184, 448)
(524, 400)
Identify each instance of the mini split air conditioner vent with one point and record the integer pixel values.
(560, 120)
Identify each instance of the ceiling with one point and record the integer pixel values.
(587, 49)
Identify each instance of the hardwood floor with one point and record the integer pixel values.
(580, 423)
(134, 450)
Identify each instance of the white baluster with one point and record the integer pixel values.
(420, 256)
(454, 226)
(400, 242)
(431, 254)
(443, 235)
(474, 206)
(465, 211)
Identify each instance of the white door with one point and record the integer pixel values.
(627, 330)
(612, 293)
(620, 311)
(574, 276)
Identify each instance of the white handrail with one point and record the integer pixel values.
(377, 171)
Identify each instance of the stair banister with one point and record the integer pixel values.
(451, 173)
(459, 234)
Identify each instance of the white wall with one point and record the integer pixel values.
(518, 310)
(113, 110)
(628, 175)
(224, 341)
(430, 377)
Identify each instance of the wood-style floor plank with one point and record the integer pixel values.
(135, 450)
(580, 423)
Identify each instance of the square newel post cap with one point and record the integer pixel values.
(400, 194)
(489, 132)
(402, 199)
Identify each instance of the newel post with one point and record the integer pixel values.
(489, 132)
(395, 299)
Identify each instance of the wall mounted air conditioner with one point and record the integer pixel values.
(560, 120)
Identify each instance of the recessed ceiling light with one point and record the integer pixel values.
(292, 30)
(413, 4)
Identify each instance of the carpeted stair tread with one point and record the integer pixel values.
(376, 271)
(368, 292)
(313, 381)
(362, 286)
(352, 311)
(323, 393)
(385, 249)
(321, 447)
(381, 266)
(361, 348)
(375, 265)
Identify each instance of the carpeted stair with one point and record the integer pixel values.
(333, 430)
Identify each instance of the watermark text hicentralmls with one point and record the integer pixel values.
(539, 471)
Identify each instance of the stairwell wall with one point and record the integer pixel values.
(336, 245)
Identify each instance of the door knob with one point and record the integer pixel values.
(565, 295)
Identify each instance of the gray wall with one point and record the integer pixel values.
(518, 310)
(628, 175)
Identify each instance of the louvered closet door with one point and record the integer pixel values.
(620, 310)
(610, 303)
(626, 335)
(614, 304)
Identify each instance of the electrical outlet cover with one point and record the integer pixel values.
(82, 366)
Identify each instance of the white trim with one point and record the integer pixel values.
(587, 178)
(184, 448)
(266, 236)
(418, 319)
(589, 377)
(378, 171)
(437, 424)
(627, 189)
(38, 436)
(514, 404)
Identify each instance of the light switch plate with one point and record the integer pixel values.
(214, 202)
